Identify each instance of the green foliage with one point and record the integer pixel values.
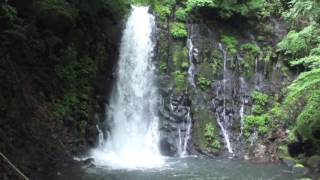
(311, 61)
(162, 11)
(259, 122)
(66, 70)
(162, 8)
(196, 4)
(306, 8)
(271, 7)
(257, 109)
(305, 85)
(178, 30)
(260, 98)
(65, 106)
(211, 64)
(277, 113)
(82, 127)
(76, 75)
(212, 140)
(250, 53)
(298, 44)
(8, 12)
(61, 7)
(181, 15)
(163, 67)
(94, 7)
(184, 66)
(202, 118)
(180, 58)
(308, 121)
(230, 43)
(143, 2)
(268, 53)
(302, 105)
(256, 123)
(226, 9)
(203, 82)
(180, 80)
(250, 48)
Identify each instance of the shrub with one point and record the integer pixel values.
(256, 123)
(162, 11)
(163, 67)
(61, 7)
(226, 9)
(180, 80)
(181, 15)
(211, 138)
(250, 48)
(230, 43)
(178, 30)
(196, 4)
(203, 82)
(184, 66)
(259, 98)
(298, 44)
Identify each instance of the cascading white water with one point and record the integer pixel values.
(183, 129)
(100, 137)
(187, 136)
(223, 129)
(241, 111)
(133, 115)
(191, 70)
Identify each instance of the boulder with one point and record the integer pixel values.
(299, 169)
(167, 148)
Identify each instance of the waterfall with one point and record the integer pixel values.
(183, 126)
(191, 70)
(241, 111)
(187, 135)
(100, 137)
(258, 76)
(133, 141)
(184, 137)
(224, 81)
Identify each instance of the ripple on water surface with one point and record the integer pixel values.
(191, 168)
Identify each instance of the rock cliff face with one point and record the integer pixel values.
(213, 82)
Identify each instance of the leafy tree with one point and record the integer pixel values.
(227, 8)
(178, 30)
(303, 8)
(298, 44)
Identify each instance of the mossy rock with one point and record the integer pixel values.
(314, 161)
(299, 169)
(211, 64)
(298, 165)
(180, 66)
(201, 119)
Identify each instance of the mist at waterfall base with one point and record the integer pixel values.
(133, 115)
(131, 150)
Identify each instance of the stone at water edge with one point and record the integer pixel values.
(299, 169)
(314, 161)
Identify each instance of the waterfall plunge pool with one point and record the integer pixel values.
(189, 168)
(134, 136)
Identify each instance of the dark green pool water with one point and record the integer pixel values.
(190, 168)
